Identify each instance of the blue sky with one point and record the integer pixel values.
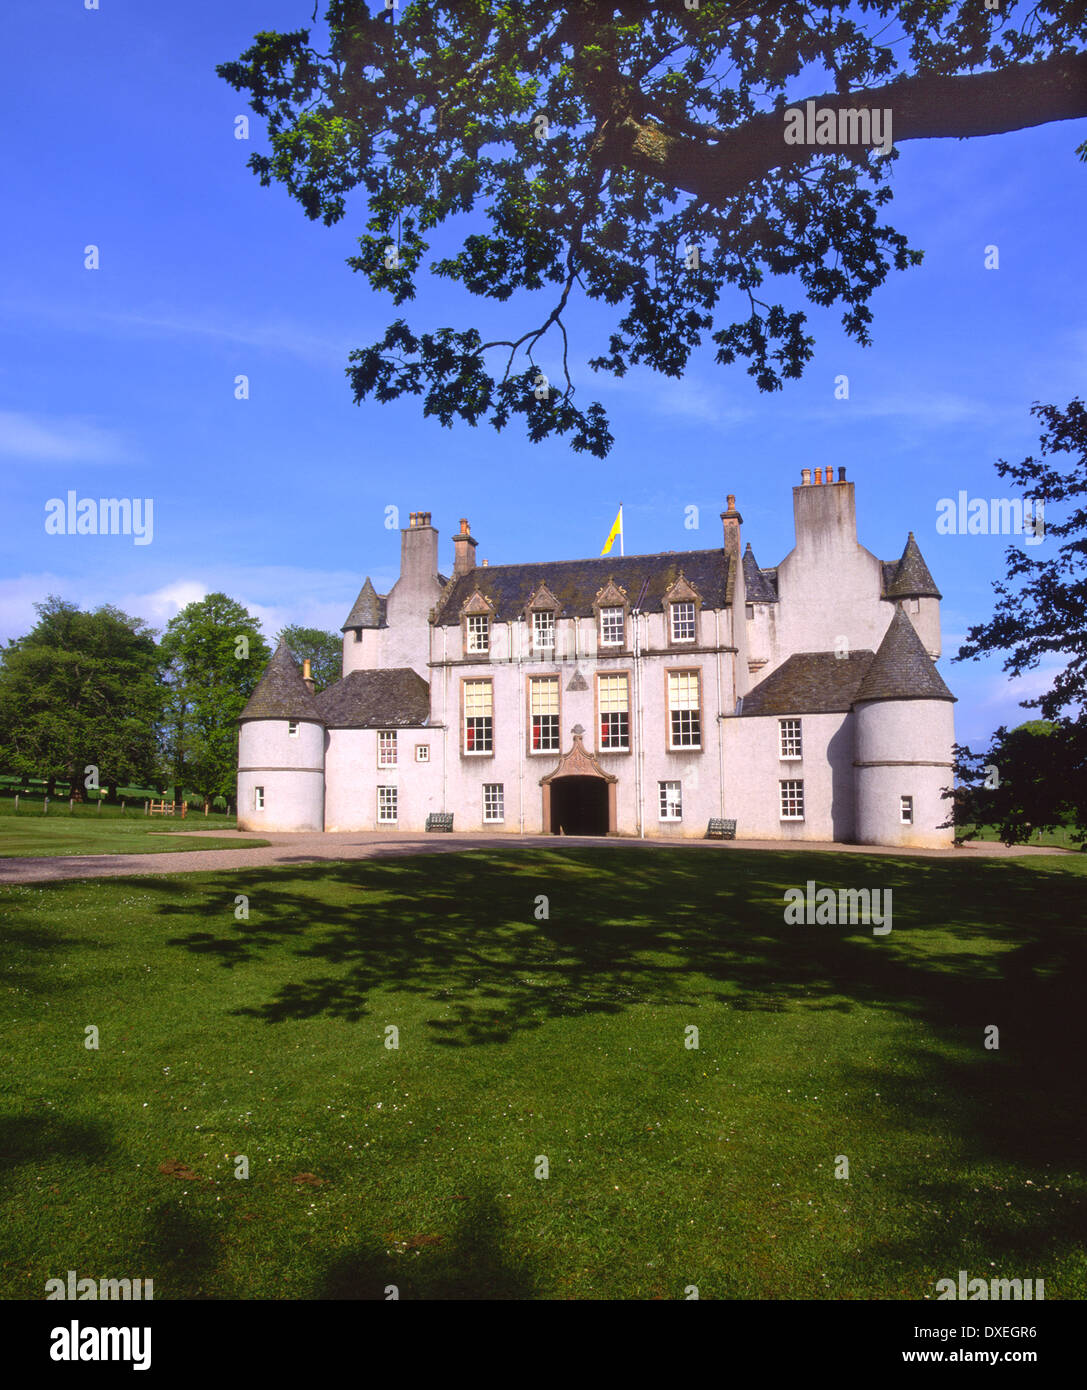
(120, 382)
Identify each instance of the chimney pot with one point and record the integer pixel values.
(841, 475)
(830, 475)
(805, 477)
(731, 502)
(306, 676)
(818, 477)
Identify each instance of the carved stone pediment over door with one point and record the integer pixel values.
(579, 797)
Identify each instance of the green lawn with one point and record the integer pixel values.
(562, 1038)
(1060, 837)
(31, 833)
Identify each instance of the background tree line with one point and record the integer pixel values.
(99, 690)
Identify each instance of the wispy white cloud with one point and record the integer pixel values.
(278, 595)
(268, 334)
(58, 440)
(935, 409)
(689, 397)
(272, 335)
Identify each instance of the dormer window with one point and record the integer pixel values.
(681, 603)
(478, 633)
(612, 627)
(543, 631)
(611, 606)
(683, 622)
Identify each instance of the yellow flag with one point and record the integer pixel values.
(616, 530)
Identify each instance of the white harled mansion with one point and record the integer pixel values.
(636, 695)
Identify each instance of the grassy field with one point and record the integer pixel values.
(560, 1038)
(1060, 837)
(88, 831)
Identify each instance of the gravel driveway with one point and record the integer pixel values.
(307, 847)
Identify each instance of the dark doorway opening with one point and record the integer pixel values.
(579, 806)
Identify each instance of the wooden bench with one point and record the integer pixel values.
(440, 820)
(721, 829)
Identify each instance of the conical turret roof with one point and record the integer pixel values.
(367, 610)
(901, 669)
(757, 585)
(281, 692)
(912, 578)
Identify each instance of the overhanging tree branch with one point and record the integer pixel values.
(922, 108)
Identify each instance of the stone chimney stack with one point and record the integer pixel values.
(306, 676)
(464, 550)
(732, 521)
(825, 516)
(419, 551)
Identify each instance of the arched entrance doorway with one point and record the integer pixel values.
(579, 796)
(579, 806)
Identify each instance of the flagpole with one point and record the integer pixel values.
(621, 550)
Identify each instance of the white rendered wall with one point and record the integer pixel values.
(754, 769)
(353, 776)
(828, 585)
(364, 655)
(649, 762)
(904, 748)
(291, 771)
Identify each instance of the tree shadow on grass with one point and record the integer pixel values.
(468, 1263)
(972, 945)
(182, 1251)
(36, 1139)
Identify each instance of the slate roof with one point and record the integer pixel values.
(809, 683)
(281, 692)
(902, 669)
(368, 609)
(760, 586)
(909, 577)
(393, 699)
(575, 583)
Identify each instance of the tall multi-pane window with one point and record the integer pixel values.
(258, 798)
(386, 748)
(292, 728)
(478, 717)
(613, 693)
(905, 810)
(386, 805)
(543, 695)
(684, 710)
(494, 801)
(683, 622)
(478, 632)
(671, 800)
(789, 734)
(792, 800)
(543, 631)
(612, 627)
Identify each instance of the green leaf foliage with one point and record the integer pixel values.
(584, 152)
